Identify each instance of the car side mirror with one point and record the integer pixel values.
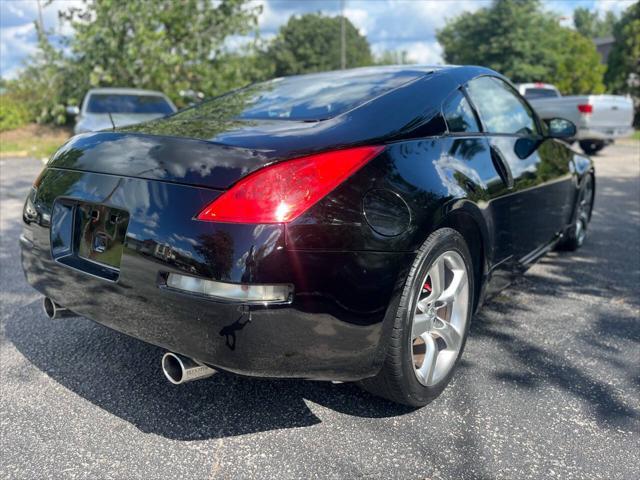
(561, 128)
(73, 110)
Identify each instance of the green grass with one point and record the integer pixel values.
(32, 141)
(636, 135)
(36, 147)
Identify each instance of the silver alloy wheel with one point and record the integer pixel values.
(584, 212)
(440, 318)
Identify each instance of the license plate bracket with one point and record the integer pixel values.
(89, 237)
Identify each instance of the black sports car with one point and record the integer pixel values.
(334, 226)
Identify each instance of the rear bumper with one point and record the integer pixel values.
(332, 330)
(594, 133)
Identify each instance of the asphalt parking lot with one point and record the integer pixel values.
(549, 386)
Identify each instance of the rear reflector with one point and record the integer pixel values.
(585, 108)
(230, 291)
(283, 191)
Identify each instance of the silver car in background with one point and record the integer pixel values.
(126, 106)
(600, 119)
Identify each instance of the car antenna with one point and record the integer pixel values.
(113, 124)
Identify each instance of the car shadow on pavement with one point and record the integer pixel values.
(123, 376)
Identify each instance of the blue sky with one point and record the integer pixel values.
(388, 24)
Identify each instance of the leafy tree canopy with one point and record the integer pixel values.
(44, 85)
(160, 44)
(623, 66)
(518, 39)
(156, 44)
(591, 25)
(311, 43)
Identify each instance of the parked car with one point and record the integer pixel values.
(600, 119)
(126, 106)
(332, 226)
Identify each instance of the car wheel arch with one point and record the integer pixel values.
(468, 221)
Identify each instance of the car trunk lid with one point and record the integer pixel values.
(171, 159)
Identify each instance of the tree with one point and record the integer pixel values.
(393, 57)
(623, 65)
(44, 86)
(163, 45)
(519, 40)
(579, 69)
(311, 43)
(624, 59)
(590, 24)
(159, 44)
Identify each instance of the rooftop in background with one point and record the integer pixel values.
(604, 46)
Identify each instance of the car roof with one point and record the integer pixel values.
(459, 73)
(124, 91)
(421, 69)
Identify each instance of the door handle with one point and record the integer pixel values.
(502, 167)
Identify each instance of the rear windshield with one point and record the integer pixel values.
(530, 93)
(118, 103)
(311, 97)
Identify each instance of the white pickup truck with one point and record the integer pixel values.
(599, 119)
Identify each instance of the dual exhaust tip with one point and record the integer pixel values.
(176, 368)
(179, 369)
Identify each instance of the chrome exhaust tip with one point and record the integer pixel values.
(53, 310)
(179, 369)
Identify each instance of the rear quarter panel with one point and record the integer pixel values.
(434, 177)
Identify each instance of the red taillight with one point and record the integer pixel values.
(281, 192)
(585, 108)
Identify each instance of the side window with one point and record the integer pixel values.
(499, 108)
(459, 114)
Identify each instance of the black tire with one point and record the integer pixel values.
(575, 235)
(591, 147)
(397, 380)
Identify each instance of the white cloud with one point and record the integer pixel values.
(360, 18)
(17, 30)
(16, 44)
(408, 25)
(16, 9)
(616, 6)
(422, 53)
(27, 10)
(425, 53)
